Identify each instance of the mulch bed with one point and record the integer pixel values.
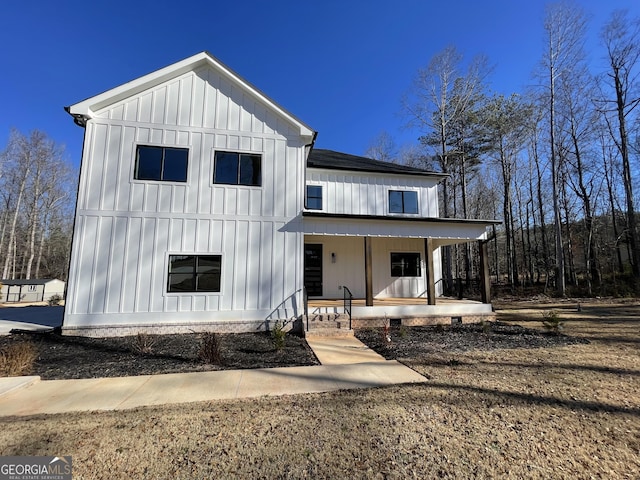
(416, 342)
(66, 357)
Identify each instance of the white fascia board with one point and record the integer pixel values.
(433, 176)
(87, 108)
(443, 232)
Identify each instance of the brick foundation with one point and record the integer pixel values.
(296, 325)
(165, 329)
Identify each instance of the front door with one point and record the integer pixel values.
(313, 269)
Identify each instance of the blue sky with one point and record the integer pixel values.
(341, 66)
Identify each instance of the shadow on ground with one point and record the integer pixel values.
(40, 315)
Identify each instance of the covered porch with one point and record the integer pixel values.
(389, 268)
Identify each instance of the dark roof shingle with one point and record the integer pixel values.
(319, 158)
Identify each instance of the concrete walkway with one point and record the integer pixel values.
(342, 351)
(346, 364)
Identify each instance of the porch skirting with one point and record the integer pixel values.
(376, 322)
(400, 313)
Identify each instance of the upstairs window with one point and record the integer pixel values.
(194, 273)
(238, 169)
(314, 197)
(403, 201)
(165, 164)
(405, 264)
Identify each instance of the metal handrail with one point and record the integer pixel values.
(305, 302)
(347, 297)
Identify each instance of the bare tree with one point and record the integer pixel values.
(37, 187)
(506, 122)
(442, 92)
(382, 147)
(564, 27)
(621, 38)
(578, 119)
(416, 156)
(607, 152)
(19, 156)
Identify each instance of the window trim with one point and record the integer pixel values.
(163, 147)
(238, 153)
(167, 272)
(321, 197)
(419, 264)
(403, 191)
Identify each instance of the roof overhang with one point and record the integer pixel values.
(444, 231)
(86, 109)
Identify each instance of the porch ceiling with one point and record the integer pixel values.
(443, 231)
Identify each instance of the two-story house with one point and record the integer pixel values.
(202, 204)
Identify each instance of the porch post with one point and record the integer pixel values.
(429, 277)
(485, 280)
(368, 272)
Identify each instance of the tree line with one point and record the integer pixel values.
(37, 196)
(556, 163)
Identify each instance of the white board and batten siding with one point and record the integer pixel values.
(367, 193)
(343, 264)
(126, 229)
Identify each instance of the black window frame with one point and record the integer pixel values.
(196, 272)
(162, 171)
(411, 268)
(404, 194)
(312, 205)
(240, 179)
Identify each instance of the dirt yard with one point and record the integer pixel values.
(570, 411)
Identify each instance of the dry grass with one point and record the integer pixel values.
(143, 344)
(210, 349)
(17, 359)
(568, 412)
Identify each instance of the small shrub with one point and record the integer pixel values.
(54, 300)
(486, 326)
(403, 332)
(278, 335)
(552, 322)
(386, 333)
(210, 349)
(17, 359)
(143, 344)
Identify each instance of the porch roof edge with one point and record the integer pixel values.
(348, 216)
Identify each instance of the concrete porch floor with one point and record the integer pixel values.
(411, 311)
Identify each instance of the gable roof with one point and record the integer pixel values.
(331, 160)
(85, 110)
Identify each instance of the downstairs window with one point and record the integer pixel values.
(405, 264)
(194, 273)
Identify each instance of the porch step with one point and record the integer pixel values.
(328, 320)
(328, 325)
(324, 316)
(329, 333)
